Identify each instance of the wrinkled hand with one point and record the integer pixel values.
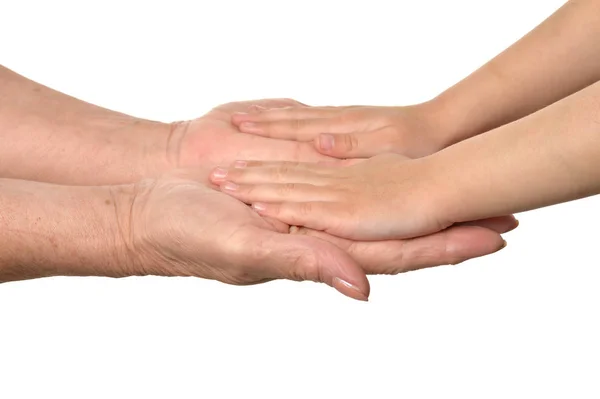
(178, 226)
(349, 132)
(213, 140)
(385, 197)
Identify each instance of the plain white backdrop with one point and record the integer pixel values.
(522, 323)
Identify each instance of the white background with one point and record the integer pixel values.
(519, 324)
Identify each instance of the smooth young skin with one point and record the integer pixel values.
(558, 58)
(546, 158)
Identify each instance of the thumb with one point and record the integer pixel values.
(299, 258)
(354, 145)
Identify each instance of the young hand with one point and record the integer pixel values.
(350, 132)
(385, 197)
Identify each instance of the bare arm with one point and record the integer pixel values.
(549, 157)
(49, 230)
(52, 137)
(559, 57)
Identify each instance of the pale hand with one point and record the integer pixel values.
(213, 140)
(181, 227)
(385, 197)
(352, 131)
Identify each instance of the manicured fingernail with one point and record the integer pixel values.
(240, 164)
(348, 289)
(230, 186)
(219, 173)
(249, 127)
(259, 206)
(326, 142)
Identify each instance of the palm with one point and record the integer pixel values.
(186, 228)
(214, 140)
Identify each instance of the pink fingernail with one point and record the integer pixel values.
(349, 289)
(240, 164)
(259, 206)
(230, 186)
(326, 142)
(249, 127)
(219, 173)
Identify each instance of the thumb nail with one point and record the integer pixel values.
(326, 142)
(349, 289)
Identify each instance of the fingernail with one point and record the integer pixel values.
(326, 142)
(249, 127)
(230, 186)
(259, 206)
(504, 244)
(257, 108)
(348, 289)
(219, 173)
(240, 164)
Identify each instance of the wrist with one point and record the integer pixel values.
(50, 230)
(446, 122)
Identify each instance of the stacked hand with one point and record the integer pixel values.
(180, 226)
(204, 233)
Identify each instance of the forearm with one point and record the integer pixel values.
(51, 137)
(49, 230)
(549, 157)
(560, 57)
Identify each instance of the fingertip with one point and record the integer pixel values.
(239, 117)
(467, 242)
(218, 175)
(250, 127)
(350, 290)
(325, 142)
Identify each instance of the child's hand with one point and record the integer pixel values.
(385, 197)
(350, 132)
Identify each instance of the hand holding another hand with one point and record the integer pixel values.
(177, 225)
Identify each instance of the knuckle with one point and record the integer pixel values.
(350, 142)
(297, 124)
(285, 190)
(302, 266)
(280, 172)
(305, 208)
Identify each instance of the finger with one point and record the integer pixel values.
(241, 106)
(295, 129)
(316, 167)
(500, 224)
(285, 114)
(355, 145)
(249, 147)
(308, 258)
(325, 216)
(451, 246)
(277, 192)
(276, 174)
